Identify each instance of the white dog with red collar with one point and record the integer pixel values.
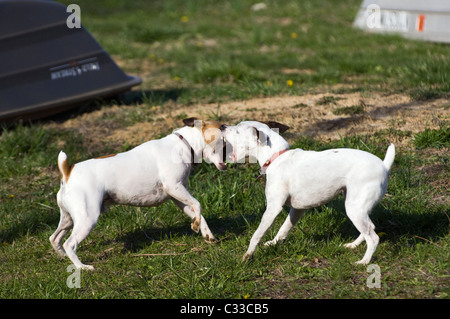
(307, 179)
(147, 175)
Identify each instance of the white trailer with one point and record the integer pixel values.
(427, 20)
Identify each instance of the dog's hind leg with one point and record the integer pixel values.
(358, 208)
(291, 220)
(65, 224)
(371, 238)
(83, 225)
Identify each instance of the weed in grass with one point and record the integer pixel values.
(437, 138)
(218, 115)
(328, 99)
(300, 105)
(425, 93)
(349, 110)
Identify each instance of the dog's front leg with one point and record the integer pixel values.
(291, 220)
(179, 193)
(267, 220)
(206, 232)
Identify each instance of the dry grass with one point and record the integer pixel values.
(306, 115)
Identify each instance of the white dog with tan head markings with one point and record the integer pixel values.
(147, 175)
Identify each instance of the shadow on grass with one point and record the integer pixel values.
(221, 228)
(29, 223)
(150, 97)
(398, 227)
(394, 226)
(348, 121)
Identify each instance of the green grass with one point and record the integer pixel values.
(222, 51)
(209, 51)
(350, 110)
(439, 138)
(152, 253)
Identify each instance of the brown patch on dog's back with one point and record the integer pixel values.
(106, 156)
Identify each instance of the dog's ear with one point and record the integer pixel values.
(281, 127)
(189, 121)
(261, 137)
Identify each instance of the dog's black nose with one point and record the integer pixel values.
(223, 127)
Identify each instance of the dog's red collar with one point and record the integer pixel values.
(272, 158)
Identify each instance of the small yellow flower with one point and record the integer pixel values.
(246, 296)
(290, 83)
(184, 19)
(381, 234)
(161, 61)
(294, 35)
(153, 107)
(11, 196)
(152, 57)
(176, 79)
(269, 83)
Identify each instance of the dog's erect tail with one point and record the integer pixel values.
(63, 166)
(389, 158)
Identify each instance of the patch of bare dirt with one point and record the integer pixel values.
(309, 114)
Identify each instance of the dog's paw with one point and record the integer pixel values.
(350, 245)
(271, 243)
(247, 257)
(210, 239)
(60, 252)
(86, 267)
(195, 225)
(362, 262)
